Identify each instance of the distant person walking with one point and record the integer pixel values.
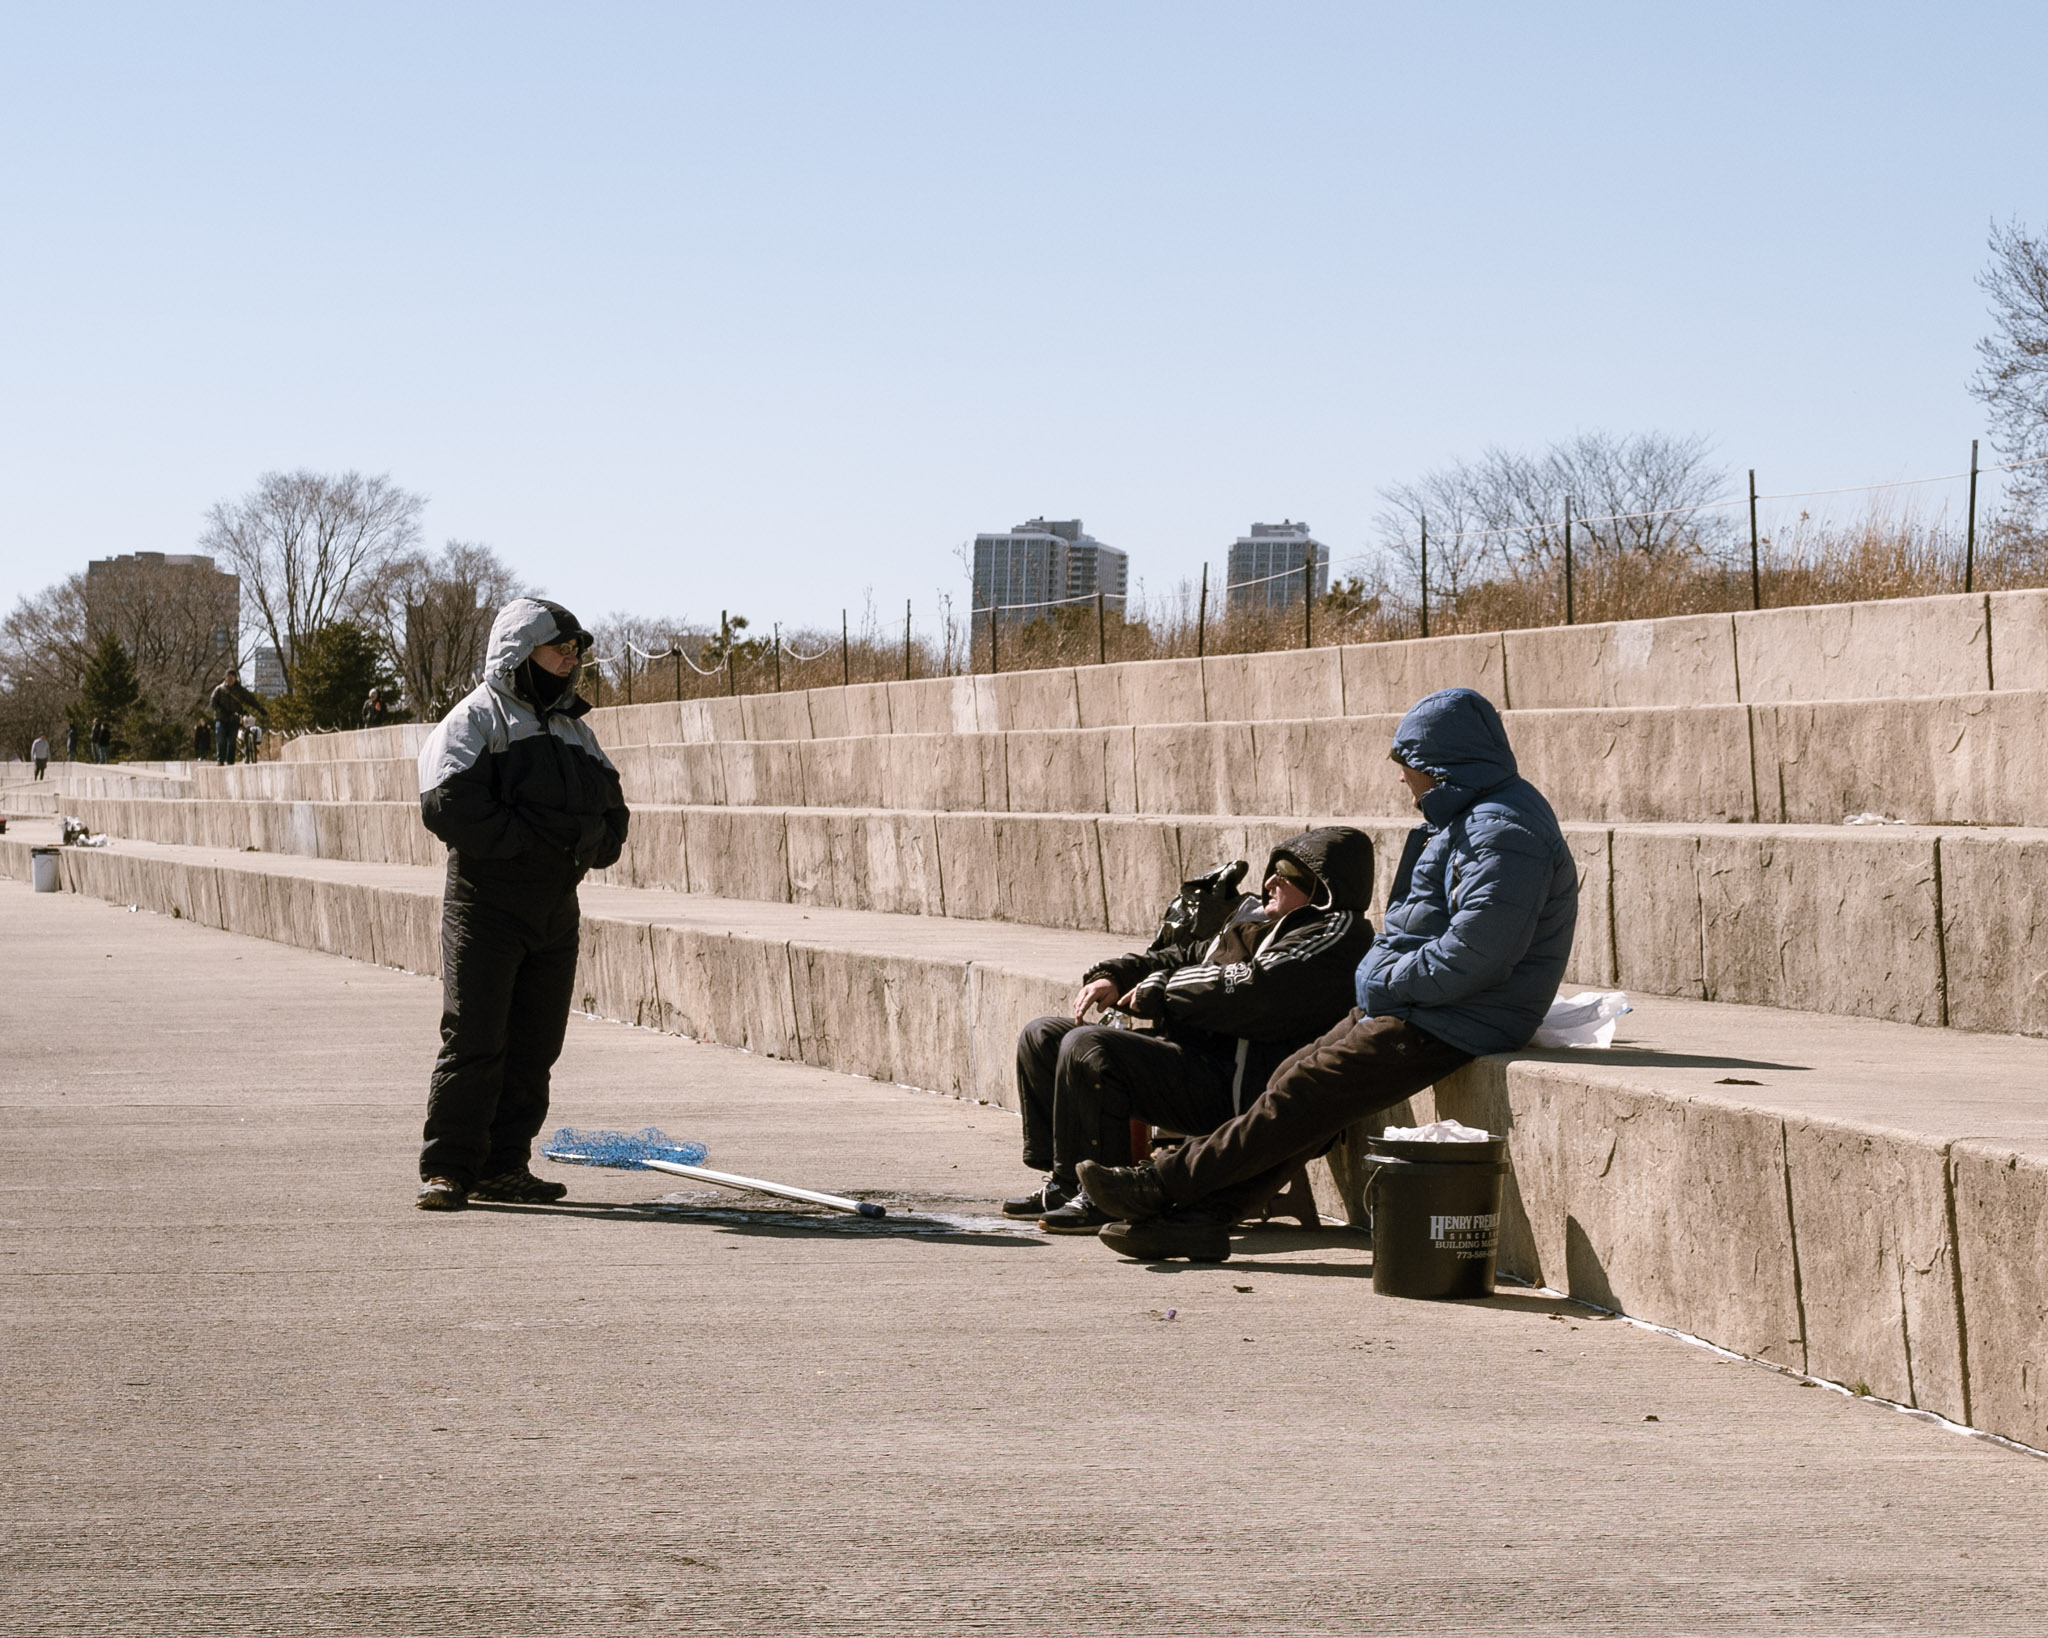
(70, 740)
(231, 702)
(375, 711)
(102, 737)
(517, 786)
(39, 754)
(202, 741)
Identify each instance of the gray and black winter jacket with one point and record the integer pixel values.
(1263, 989)
(519, 789)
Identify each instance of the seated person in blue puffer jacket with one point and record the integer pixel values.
(1478, 928)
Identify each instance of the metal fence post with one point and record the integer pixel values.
(1425, 572)
(1970, 536)
(1101, 631)
(994, 664)
(725, 637)
(845, 656)
(1756, 583)
(778, 656)
(675, 649)
(1202, 615)
(1568, 612)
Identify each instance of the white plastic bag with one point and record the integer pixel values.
(1438, 1131)
(1583, 1020)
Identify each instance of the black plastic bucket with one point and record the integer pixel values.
(1435, 1216)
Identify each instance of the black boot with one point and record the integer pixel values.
(1190, 1232)
(1079, 1215)
(1048, 1197)
(1128, 1193)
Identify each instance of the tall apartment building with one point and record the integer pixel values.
(1266, 566)
(178, 614)
(1031, 571)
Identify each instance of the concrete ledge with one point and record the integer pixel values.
(1957, 759)
(2019, 639)
(1952, 759)
(1383, 678)
(1841, 651)
(1913, 924)
(1898, 647)
(1688, 660)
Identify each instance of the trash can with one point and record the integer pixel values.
(43, 868)
(1435, 1216)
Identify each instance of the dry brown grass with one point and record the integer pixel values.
(1887, 553)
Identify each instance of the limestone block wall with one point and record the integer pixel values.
(1973, 758)
(1914, 924)
(1894, 648)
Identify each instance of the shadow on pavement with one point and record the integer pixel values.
(1650, 1058)
(941, 1228)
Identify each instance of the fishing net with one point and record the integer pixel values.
(596, 1146)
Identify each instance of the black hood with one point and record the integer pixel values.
(1340, 859)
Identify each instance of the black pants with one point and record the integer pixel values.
(507, 980)
(1081, 1085)
(225, 733)
(1361, 1066)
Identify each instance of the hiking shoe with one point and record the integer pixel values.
(1129, 1193)
(1079, 1215)
(1049, 1197)
(1190, 1232)
(518, 1187)
(441, 1194)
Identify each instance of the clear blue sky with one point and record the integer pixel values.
(758, 306)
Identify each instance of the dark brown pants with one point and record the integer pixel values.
(1361, 1066)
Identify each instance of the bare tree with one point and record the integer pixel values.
(177, 618)
(43, 655)
(1503, 514)
(435, 619)
(310, 548)
(2012, 382)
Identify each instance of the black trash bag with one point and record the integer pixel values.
(1206, 905)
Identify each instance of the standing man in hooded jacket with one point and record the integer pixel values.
(1228, 1010)
(1479, 926)
(517, 786)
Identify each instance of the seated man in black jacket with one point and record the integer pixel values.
(1229, 1010)
(517, 786)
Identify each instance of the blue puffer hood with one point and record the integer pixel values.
(1457, 736)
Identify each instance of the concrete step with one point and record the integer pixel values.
(1917, 924)
(1860, 1200)
(1977, 759)
(1895, 648)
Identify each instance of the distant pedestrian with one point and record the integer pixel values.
(231, 702)
(202, 741)
(39, 754)
(70, 740)
(375, 711)
(102, 737)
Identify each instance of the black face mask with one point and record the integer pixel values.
(539, 686)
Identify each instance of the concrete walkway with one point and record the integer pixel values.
(251, 1391)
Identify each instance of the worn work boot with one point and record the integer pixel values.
(518, 1187)
(1190, 1232)
(441, 1194)
(1049, 1197)
(1128, 1193)
(1079, 1215)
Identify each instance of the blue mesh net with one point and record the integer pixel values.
(593, 1146)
